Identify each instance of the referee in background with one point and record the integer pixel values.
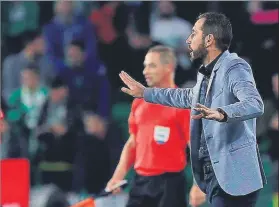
(157, 143)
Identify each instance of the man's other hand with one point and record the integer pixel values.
(207, 113)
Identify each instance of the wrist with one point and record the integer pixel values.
(223, 115)
(142, 93)
(117, 177)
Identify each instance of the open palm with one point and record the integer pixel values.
(134, 89)
(207, 113)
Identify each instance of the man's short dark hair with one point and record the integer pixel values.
(30, 36)
(219, 26)
(57, 82)
(78, 43)
(32, 67)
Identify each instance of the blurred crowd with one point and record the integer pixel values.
(60, 64)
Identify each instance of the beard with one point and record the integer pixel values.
(199, 54)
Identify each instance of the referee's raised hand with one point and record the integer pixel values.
(134, 89)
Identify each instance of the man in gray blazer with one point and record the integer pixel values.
(225, 104)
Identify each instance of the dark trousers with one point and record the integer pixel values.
(223, 199)
(219, 198)
(164, 190)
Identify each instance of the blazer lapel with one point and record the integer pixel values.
(216, 67)
(210, 82)
(197, 90)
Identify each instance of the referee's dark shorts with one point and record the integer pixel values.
(166, 190)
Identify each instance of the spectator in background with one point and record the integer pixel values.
(4, 128)
(83, 7)
(99, 149)
(3, 106)
(267, 131)
(267, 48)
(97, 163)
(32, 53)
(3, 123)
(273, 134)
(65, 27)
(17, 18)
(139, 40)
(161, 26)
(57, 132)
(102, 18)
(88, 86)
(171, 30)
(110, 20)
(25, 105)
(274, 123)
(270, 117)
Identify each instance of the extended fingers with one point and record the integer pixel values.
(128, 80)
(210, 116)
(124, 79)
(202, 110)
(199, 116)
(205, 116)
(126, 90)
(201, 106)
(128, 76)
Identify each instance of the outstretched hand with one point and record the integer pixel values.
(134, 89)
(207, 113)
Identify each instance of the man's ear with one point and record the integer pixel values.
(170, 67)
(209, 40)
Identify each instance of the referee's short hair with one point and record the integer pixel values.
(167, 54)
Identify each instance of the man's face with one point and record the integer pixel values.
(195, 41)
(64, 8)
(29, 79)
(39, 45)
(75, 55)
(154, 71)
(166, 8)
(58, 94)
(94, 125)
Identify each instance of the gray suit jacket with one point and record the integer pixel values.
(232, 145)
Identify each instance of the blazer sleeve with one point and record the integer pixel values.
(174, 97)
(249, 103)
